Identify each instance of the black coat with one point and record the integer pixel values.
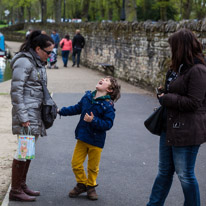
(78, 42)
(186, 108)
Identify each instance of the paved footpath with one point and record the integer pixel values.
(129, 159)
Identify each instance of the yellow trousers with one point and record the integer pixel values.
(81, 150)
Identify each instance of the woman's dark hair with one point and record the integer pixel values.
(67, 37)
(185, 49)
(35, 39)
(115, 87)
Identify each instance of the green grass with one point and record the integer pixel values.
(4, 93)
(21, 31)
(7, 72)
(3, 25)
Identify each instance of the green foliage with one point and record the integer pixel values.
(199, 9)
(146, 10)
(98, 10)
(156, 9)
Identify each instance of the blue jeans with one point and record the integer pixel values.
(65, 56)
(182, 161)
(76, 51)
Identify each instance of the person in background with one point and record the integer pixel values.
(56, 39)
(184, 119)
(43, 32)
(66, 46)
(78, 43)
(28, 65)
(97, 116)
(27, 33)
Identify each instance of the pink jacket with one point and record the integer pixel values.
(67, 44)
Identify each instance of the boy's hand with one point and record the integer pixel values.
(88, 118)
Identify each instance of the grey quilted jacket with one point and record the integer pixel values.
(26, 92)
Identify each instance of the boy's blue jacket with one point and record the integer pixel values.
(94, 132)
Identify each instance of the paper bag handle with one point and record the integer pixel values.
(24, 132)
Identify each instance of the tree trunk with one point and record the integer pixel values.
(102, 10)
(85, 10)
(29, 13)
(187, 8)
(57, 10)
(21, 14)
(163, 4)
(43, 11)
(131, 10)
(163, 13)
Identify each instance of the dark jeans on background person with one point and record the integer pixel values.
(182, 161)
(76, 51)
(65, 56)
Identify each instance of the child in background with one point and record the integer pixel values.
(52, 60)
(97, 116)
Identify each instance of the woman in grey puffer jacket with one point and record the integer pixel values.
(27, 97)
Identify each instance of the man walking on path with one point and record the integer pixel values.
(55, 37)
(78, 43)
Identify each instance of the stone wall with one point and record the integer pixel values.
(139, 51)
(11, 33)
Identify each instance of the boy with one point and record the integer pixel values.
(97, 115)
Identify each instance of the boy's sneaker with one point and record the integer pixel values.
(56, 67)
(91, 193)
(78, 189)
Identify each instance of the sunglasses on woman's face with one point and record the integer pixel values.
(48, 52)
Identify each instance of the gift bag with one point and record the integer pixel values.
(26, 144)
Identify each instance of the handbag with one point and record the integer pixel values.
(154, 122)
(26, 144)
(49, 107)
(62, 44)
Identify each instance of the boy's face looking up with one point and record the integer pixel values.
(103, 85)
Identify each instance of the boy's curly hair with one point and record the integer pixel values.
(115, 87)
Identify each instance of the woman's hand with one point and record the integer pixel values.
(88, 118)
(25, 124)
(161, 95)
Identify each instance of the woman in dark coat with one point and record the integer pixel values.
(184, 100)
(27, 97)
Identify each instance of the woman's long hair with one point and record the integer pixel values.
(185, 49)
(36, 38)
